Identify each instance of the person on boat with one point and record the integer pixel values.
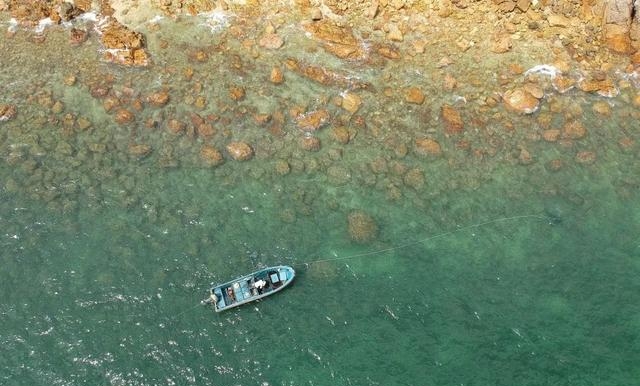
(259, 285)
(232, 297)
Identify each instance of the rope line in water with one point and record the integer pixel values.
(478, 225)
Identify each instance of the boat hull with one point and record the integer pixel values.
(249, 288)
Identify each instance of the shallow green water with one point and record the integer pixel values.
(490, 273)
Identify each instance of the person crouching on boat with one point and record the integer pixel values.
(232, 296)
(259, 285)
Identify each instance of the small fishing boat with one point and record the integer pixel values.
(248, 288)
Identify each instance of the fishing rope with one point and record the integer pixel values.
(378, 251)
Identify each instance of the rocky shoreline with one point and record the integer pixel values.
(313, 87)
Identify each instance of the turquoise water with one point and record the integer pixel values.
(489, 272)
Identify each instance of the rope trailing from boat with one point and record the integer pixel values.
(477, 225)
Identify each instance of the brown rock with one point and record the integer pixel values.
(77, 36)
(427, 147)
(310, 143)
(124, 116)
(340, 134)
(128, 45)
(271, 41)
(205, 130)
(452, 119)
(586, 157)
(602, 108)
(627, 144)
(636, 100)
(501, 44)
(551, 135)
(159, 98)
(276, 76)
(316, 14)
(211, 156)
(175, 126)
(140, 150)
(554, 165)
(283, 167)
(337, 40)
(574, 130)
(236, 93)
(389, 52)
(414, 95)
(556, 20)
(394, 33)
(521, 101)
(313, 120)
(525, 158)
(362, 227)
(7, 112)
(414, 178)
(351, 102)
(240, 151)
(563, 84)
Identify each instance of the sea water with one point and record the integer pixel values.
(489, 272)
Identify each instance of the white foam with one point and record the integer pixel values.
(543, 69)
(13, 25)
(42, 24)
(216, 20)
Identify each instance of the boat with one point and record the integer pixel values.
(249, 288)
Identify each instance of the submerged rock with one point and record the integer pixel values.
(313, 120)
(211, 156)
(428, 147)
(7, 112)
(123, 45)
(337, 40)
(521, 101)
(362, 227)
(452, 119)
(240, 151)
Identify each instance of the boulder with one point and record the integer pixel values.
(414, 95)
(452, 119)
(7, 112)
(310, 143)
(158, 98)
(140, 150)
(240, 151)
(337, 40)
(362, 227)
(351, 102)
(271, 41)
(313, 120)
(574, 130)
(211, 156)
(521, 101)
(276, 76)
(428, 147)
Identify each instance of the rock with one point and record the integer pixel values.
(211, 156)
(523, 5)
(313, 120)
(388, 52)
(524, 157)
(175, 126)
(158, 98)
(123, 45)
(602, 108)
(521, 101)
(452, 119)
(414, 178)
(554, 165)
(351, 102)
(276, 76)
(556, 20)
(394, 33)
(337, 40)
(236, 93)
(563, 84)
(427, 147)
(340, 134)
(316, 14)
(574, 130)
(282, 167)
(414, 95)
(338, 175)
(636, 101)
(271, 41)
(310, 143)
(240, 151)
(551, 135)
(501, 44)
(77, 36)
(124, 116)
(619, 42)
(586, 157)
(627, 144)
(362, 227)
(83, 123)
(535, 90)
(205, 130)
(140, 150)
(326, 77)
(7, 112)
